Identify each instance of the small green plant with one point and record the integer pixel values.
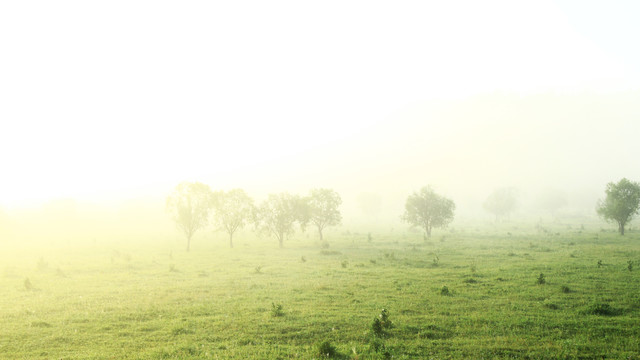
(565, 289)
(303, 259)
(436, 260)
(599, 263)
(445, 291)
(326, 350)
(172, 268)
(276, 310)
(27, 284)
(369, 237)
(381, 324)
(630, 265)
(324, 244)
(541, 280)
(258, 269)
(344, 264)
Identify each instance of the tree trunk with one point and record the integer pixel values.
(231, 240)
(320, 232)
(188, 243)
(280, 239)
(621, 228)
(429, 231)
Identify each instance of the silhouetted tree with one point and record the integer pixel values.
(189, 206)
(427, 210)
(278, 214)
(501, 202)
(233, 209)
(621, 203)
(323, 208)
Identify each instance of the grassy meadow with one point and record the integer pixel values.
(468, 292)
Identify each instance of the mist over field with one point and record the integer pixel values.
(127, 128)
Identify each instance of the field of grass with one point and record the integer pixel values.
(467, 293)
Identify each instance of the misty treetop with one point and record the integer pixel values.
(427, 210)
(501, 202)
(189, 206)
(621, 203)
(279, 213)
(233, 210)
(323, 209)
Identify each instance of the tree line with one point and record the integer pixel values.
(193, 206)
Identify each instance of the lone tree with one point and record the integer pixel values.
(278, 214)
(323, 209)
(427, 210)
(552, 200)
(501, 202)
(233, 209)
(621, 204)
(189, 206)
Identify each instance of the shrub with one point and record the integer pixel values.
(303, 259)
(600, 308)
(541, 280)
(42, 265)
(325, 349)
(599, 263)
(344, 263)
(565, 289)
(369, 237)
(445, 291)
(630, 265)
(381, 323)
(27, 284)
(276, 310)
(258, 269)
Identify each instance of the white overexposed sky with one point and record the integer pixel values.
(104, 99)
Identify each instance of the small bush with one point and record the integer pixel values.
(369, 237)
(565, 289)
(325, 349)
(27, 284)
(436, 261)
(172, 268)
(600, 308)
(42, 265)
(381, 324)
(303, 259)
(445, 291)
(276, 310)
(630, 265)
(324, 244)
(541, 280)
(258, 269)
(344, 264)
(599, 263)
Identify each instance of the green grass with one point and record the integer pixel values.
(155, 301)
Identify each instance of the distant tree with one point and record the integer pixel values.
(323, 208)
(370, 204)
(279, 213)
(189, 206)
(552, 200)
(233, 209)
(427, 210)
(501, 202)
(621, 203)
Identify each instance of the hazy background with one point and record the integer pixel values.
(106, 106)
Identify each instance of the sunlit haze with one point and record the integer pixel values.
(122, 99)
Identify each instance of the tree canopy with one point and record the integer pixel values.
(233, 210)
(278, 214)
(323, 208)
(621, 203)
(427, 210)
(189, 206)
(501, 202)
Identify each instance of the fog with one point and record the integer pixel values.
(106, 108)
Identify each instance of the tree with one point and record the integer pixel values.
(323, 208)
(501, 202)
(233, 209)
(552, 200)
(278, 214)
(189, 206)
(621, 203)
(427, 210)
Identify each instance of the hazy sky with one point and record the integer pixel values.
(116, 98)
